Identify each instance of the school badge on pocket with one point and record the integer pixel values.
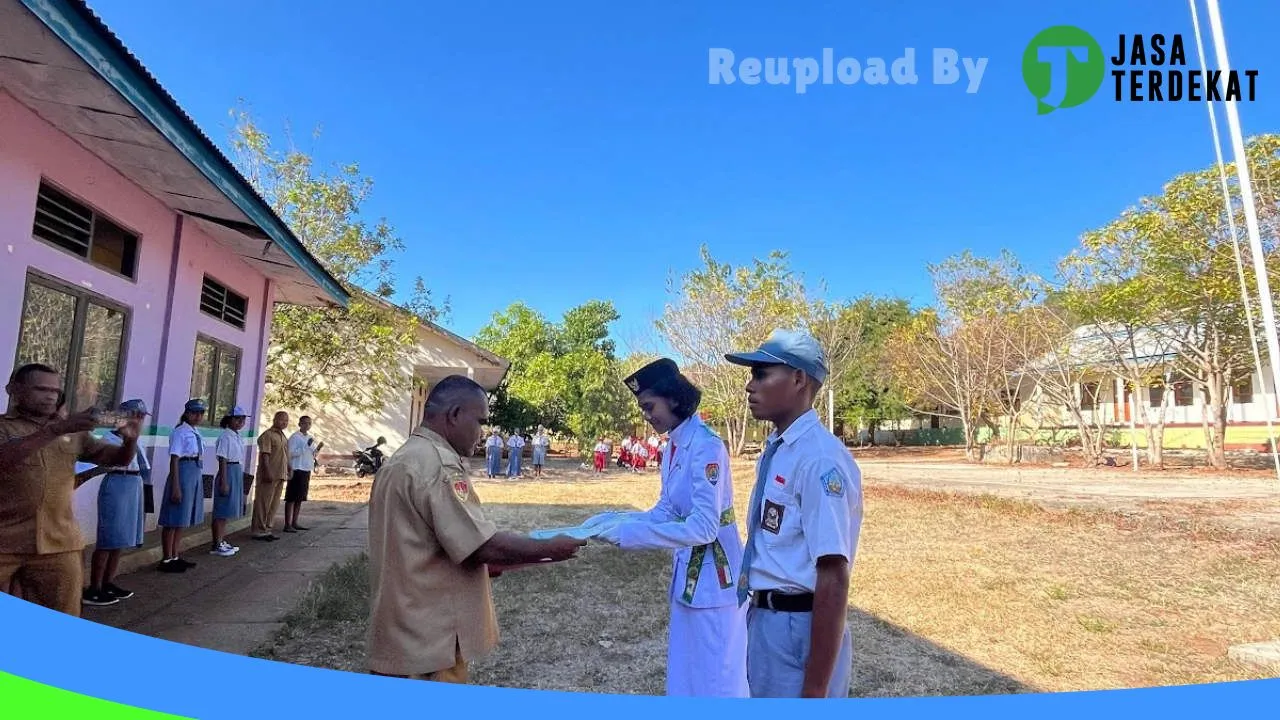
(713, 473)
(461, 489)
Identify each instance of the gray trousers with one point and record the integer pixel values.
(777, 650)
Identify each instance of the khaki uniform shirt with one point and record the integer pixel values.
(36, 515)
(275, 446)
(424, 520)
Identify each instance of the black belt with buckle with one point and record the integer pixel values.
(193, 458)
(123, 472)
(783, 602)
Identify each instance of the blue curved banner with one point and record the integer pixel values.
(101, 662)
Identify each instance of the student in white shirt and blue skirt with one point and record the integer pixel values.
(121, 521)
(182, 504)
(228, 483)
(493, 454)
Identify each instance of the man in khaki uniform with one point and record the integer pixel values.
(40, 541)
(273, 471)
(432, 550)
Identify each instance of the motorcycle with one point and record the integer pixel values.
(369, 460)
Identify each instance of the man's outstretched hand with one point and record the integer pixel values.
(563, 547)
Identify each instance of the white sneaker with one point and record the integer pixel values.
(230, 547)
(221, 550)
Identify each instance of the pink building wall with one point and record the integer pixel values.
(30, 149)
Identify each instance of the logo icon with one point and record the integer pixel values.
(713, 472)
(1063, 67)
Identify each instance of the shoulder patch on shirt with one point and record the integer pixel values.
(462, 489)
(833, 483)
(713, 473)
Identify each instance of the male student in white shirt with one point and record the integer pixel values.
(302, 461)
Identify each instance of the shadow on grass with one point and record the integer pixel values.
(599, 624)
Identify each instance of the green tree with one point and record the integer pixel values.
(321, 356)
(563, 375)
(858, 331)
(1170, 264)
(720, 308)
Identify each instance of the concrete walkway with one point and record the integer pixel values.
(235, 604)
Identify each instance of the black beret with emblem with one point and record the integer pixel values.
(652, 374)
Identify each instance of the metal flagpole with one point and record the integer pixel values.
(1250, 214)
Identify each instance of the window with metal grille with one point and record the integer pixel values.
(220, 302)
(69, 224)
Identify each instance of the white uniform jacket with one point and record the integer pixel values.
(694, 517)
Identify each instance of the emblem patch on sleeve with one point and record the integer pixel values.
(772, 520)
(462, 489)
(713, 473)
(832, 483)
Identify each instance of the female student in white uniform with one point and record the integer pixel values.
(228, 483)
(182, 503)
(707, 649)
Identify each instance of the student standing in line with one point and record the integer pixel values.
(121, 522)
(493, 454)
(516, 445)
(302, 462)
(601, 454)
(228, 484)
(183, 503)
(540, 443)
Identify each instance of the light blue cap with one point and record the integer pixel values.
(237, 411)
(792, 348)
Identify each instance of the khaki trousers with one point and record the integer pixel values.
(266, 502)
(54, 580)
(456, 674)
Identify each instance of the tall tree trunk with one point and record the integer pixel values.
(1216, 419)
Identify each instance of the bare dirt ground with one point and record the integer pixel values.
(954, 592)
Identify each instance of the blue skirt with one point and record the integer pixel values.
(539, 455)
(494, 456)
(120, 517)
(190, 511)
(231, 505)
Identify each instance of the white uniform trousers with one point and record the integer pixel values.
(707, 652)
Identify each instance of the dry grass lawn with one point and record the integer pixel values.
(951, 595)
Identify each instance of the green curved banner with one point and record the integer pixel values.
(24, 698)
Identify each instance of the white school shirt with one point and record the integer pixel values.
(601, 448)
(541, 440)
(185, 441)
(694, 508)
(495, 441)
(301, 455)
(133, 466)
(515, 441)
(811, 506)
(230, 446)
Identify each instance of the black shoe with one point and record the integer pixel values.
(290, 530)
(96, 598)
(300, 528)
(116, 591)
(171, 566)
(184, 562)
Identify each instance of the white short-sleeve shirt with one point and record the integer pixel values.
(515, 441)
(302, 454)
(185, 441)
(811, 506)
(230, 446)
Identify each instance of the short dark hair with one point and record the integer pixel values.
(24, 373)
(684, 396)
(450, 392)
(225, 422)
(304, 417)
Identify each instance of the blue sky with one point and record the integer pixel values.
(563, 151)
